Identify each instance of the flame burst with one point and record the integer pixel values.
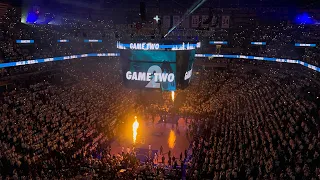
(172, 139)
(135, 127)
(172, 95)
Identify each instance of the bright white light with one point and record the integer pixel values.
(157, 18)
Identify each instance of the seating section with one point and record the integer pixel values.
(257, 126)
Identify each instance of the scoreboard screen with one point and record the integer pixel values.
(185, 60)
(149, 69)
(157, 66)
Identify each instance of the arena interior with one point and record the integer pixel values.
(165, 89)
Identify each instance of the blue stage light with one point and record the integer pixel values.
(32, 17)
(304, 18)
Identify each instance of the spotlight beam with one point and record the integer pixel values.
(194, 7)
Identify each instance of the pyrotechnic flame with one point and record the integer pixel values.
(172, 139)
(135, 127)
(172, 95)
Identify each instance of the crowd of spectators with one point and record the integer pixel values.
(249, 122)
(280, 38)
(46, 37)
(61, 124)
(44, 117)
(254, 124)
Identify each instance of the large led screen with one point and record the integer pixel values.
(149, 69)
(185, 60)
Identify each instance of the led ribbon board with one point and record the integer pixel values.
(258, 43)
(92, 40)
(24, 41)
(218, 42)
(158, 46)
(304, 45)
(62, 58)
(310, 66)
(36, 61)
(63, 40)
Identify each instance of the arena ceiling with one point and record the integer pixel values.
(185, 3)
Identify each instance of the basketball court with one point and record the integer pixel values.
(155, 134)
